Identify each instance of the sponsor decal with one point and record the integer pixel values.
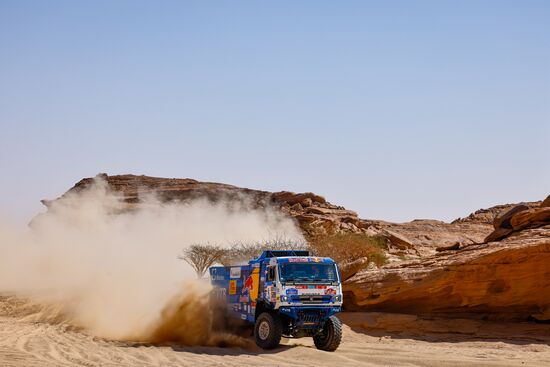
(330, 291)
(248, 285)
(244, 298)
(291, 292)
(298, 259)
(232, 287)
(235, 272)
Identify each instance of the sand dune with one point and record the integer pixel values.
(24, 342)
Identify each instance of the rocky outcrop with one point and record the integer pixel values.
(507, 280)
(313, 212)
(517, 218)
(505, 276)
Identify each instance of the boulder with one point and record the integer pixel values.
(517, 218)
(293, 198)
(502, 220)
(498, 234)
(349, 269)
(453, 247)
(531, 218)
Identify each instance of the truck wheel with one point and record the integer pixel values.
(268, 330)
(331, 336)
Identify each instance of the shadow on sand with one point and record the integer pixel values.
(445, 330)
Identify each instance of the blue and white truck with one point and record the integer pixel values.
(283, 293)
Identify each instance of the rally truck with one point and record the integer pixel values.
(283, 294)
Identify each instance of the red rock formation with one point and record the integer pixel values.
(509, 280)
(311, 211)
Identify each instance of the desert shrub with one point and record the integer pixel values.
(241, 251)
(347, 247)
(202, 256)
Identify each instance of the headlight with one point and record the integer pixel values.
(284, 298)
(338, 298)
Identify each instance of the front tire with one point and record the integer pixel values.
(331, 336)
(268, 330)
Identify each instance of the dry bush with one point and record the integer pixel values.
(348, 247)
(202, 256)
(242, 252)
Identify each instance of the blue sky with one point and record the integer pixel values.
(395, 109)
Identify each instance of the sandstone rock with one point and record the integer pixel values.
(397, 240)
(297, 207)
(498, 234)
(313, 213)
(502, 220)
(518, 218)
(543, 316)
(546, 202)
(510, 281)
(347, 270)
(307, 202)
(427, 235)
(292, 198)
(454, 247)
(531, 218)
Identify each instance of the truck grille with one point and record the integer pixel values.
(311, 317)
(305, 299)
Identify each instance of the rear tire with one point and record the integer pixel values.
(331, 336)
(268, 330)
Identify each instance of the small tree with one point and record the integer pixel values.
(202, 256)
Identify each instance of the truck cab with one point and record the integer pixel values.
(283, 293)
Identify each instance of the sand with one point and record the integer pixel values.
(28, 343)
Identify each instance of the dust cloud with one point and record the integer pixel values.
(94, 264)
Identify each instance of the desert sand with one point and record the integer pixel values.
(24, 342)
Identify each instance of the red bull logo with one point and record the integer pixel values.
(248, 286)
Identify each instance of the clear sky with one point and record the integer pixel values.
(395, 109)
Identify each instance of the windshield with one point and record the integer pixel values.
(312, 272)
